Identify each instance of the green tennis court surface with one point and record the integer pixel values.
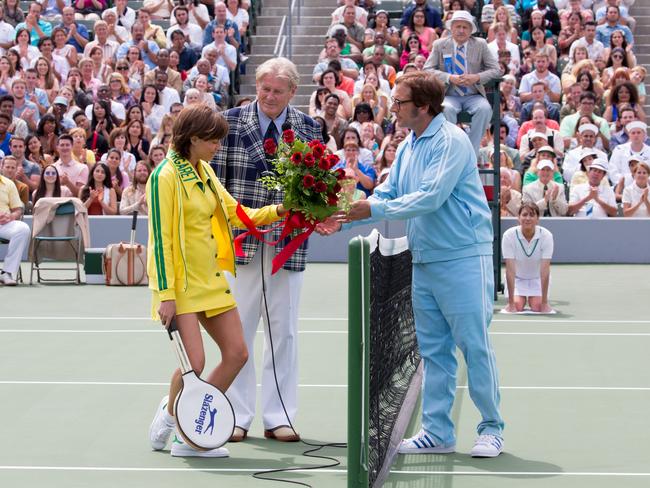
(82, 370)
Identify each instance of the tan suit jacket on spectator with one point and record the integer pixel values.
(480, 61)
(173, 78)
(534, 192)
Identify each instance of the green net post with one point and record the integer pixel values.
(358, 356)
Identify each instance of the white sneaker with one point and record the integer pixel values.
(6, 279)
(160, 430)
(487, 445)
(180, 449)
(423, 443)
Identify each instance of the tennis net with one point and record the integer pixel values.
(385, 373)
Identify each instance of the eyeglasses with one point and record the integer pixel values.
(617, 56)
(122, 68)
(399, 103)
(49, 173)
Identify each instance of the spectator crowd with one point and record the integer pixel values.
(89, 90)
(573, 135)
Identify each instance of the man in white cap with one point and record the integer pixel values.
(593, 200)
(618, 161)
(626, 114)
(547, 194)
(587, 137)
(464, 64)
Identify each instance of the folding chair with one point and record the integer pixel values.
(50, 243)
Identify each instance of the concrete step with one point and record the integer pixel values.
(300, 100)
(311, 49)
(304, 4)
(305, 76)
(265, 21)
(641, 40)
(298, 40)
(297, 30)
(640, 9)
(307, 90)
(307, 11)
(305, 70)
(301, 59)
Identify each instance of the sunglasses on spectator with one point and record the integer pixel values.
(617, 56)
(122, 68)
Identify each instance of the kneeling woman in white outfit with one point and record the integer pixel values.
(527, 251)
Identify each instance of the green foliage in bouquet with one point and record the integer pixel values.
(303, 171)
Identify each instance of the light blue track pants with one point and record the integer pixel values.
(452, 303)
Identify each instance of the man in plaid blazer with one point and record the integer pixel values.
(239, 165)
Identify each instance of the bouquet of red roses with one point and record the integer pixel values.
(304, 172)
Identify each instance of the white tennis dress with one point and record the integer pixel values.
(528, 258)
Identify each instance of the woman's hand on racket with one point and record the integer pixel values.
(167, 311)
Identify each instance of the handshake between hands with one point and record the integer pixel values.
(359, 210)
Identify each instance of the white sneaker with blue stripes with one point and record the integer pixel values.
(488, 446)
(423, 443)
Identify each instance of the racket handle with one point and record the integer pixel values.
(179, 347)
(134, 224)
(172, 328)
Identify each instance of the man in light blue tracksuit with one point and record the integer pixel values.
(434, 185)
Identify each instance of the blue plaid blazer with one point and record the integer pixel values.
(240, 163)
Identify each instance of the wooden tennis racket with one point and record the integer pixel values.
(204, 416)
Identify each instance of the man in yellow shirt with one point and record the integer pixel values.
(12, 229)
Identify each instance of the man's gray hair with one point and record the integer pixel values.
(278, 67)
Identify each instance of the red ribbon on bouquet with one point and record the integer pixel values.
(293, 221)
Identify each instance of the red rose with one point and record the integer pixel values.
(320, 187)
(333, 159)
(296, 158)
(324, 164)
(308, 181)
(332, 199)
(309, 160)
(288, 136)
(318, 151)
(337, 188)
(313, 143)
(269, 146)
(340, 173)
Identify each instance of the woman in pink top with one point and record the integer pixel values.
(89, 9)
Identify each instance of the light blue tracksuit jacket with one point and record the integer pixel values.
(434, 184)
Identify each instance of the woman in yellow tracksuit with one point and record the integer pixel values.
(190, 247)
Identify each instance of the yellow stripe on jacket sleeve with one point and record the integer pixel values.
(160, 199)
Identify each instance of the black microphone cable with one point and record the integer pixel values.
(314, 447)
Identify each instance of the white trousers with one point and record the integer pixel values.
(283, 296)
(18, 234)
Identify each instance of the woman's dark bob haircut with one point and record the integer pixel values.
(197, 121)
